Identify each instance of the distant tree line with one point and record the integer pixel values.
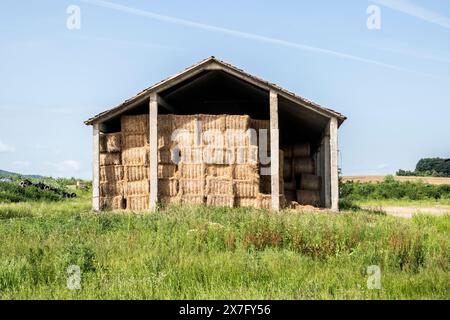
(429, 167)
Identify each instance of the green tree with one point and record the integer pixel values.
(434, 166)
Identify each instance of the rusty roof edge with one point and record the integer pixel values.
(144, 93)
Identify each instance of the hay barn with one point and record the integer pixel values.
(215, 135)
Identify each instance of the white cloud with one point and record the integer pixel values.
(21, 164)
(4, 148)
(411, 9)
(382, 166)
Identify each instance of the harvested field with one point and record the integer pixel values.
(374, 179)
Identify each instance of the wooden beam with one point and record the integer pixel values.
(96, 168)
(334, 164)
(165, 105)
(153, 138)
(193, 83)
(274, 151)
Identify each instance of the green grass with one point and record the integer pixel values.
(217, 253)
(390, 189)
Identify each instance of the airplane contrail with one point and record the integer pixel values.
(411, 9)
(242, 34)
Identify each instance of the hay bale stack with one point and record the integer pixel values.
(237, 122)
(212, 155)
(246, 155)
(137, 203)
(220, 200)
(169, 187)
(246, 202)
(303, 165)
(111, 173)
(165, 123)
(110, 159)
(135, 124)
(245, 171)
(214, 170)
(192, 187)
(112, 203)
(136, 173)
(190, 155)
(298, 150)
(219, 186)
(234, 138)
(288, 171)
(212, 122)
(136, 188)
(111, 142)
(166, 171)
(264, 201)
(308, 197)
(246, 188)
(185, 122)
(191, 170)
(110, 189)
(300, 183)
(136, 161)
(136, 156)
(219, 171)
(134, 140)
(167, 156)
(310, 182)
(192, 199)
(168, 200)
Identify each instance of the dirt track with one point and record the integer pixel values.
(408, 212)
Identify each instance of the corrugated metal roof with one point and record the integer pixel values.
(203, 65)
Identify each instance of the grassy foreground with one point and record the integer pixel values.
(216, 253)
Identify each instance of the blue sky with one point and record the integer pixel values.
(393, 84)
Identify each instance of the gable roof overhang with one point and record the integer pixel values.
(213, 63)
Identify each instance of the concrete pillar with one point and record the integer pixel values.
(96, 168)
(153, 138)
(334, 164)
(326, 168)
(274, 151)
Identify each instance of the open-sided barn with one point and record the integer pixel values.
(215, 135)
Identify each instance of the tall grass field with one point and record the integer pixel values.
(217, 253)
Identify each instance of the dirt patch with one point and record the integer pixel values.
(408, 212)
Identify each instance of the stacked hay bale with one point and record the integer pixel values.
(111, 172)
(300, 183)
(168, 184)
(135, 161)
(241, 144)
(218, 168)
(202, 159)
(187, 186)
